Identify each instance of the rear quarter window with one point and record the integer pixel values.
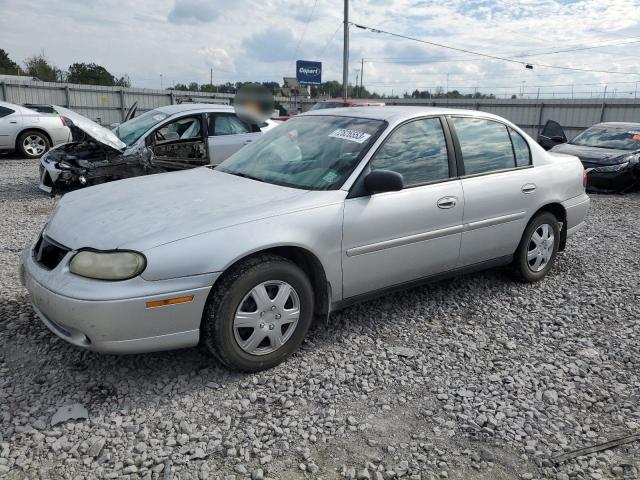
(520, 148)
(4, 111)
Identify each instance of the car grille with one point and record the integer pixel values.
(49, 253)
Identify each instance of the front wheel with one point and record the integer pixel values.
(258, 314)
(537, 251)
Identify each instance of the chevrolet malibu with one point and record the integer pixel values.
(328, 209)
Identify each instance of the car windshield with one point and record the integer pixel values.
(619, 138)
(308, 152)
(323, 105)
(129, 132)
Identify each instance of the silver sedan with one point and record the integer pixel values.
(28, 132)
(330, 208)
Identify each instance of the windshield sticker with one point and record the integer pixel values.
(330, 177)
(351, 135)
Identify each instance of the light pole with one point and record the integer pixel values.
(161, 82)
(345, 51)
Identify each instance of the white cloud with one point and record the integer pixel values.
(258, 40)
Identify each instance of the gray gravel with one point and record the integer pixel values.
(476, 377)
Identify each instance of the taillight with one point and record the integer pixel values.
(585, 179)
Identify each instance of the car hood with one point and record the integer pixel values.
(144, 212)
(96, 132)
(593, 155)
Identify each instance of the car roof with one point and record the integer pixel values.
(397, 113)
(194, 107)
(20, 108)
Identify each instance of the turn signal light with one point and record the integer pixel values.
(168, 301)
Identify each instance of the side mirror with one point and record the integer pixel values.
(559, 139)
(379, 181)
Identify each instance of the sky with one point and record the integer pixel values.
(260, 40)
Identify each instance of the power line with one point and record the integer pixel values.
(487, 55)
(512, 54)
(306, 25)
(330, 40)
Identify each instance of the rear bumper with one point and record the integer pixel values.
(116, 325)
(576, 209)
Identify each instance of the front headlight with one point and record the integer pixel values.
(118, 265)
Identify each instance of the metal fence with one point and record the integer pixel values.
(109, 104)
(531, 115)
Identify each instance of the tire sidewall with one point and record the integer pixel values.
(223, 338)
(522, 263)
(23, 135)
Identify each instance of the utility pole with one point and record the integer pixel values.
(362, 75)
(211, 79)
(345, 52)
(355, 89)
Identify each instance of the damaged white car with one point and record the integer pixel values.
(175, 137)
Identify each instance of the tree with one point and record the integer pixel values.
(8, 66)
(193, 87)
(38, 66)
(91, 74)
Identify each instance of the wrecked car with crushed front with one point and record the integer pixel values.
(609, 152)
(174, 137)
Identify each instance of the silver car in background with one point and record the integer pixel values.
(28, 132)
(330, 208)
(175, 137)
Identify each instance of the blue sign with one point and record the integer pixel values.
(309, 73)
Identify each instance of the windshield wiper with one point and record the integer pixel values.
(244, 175)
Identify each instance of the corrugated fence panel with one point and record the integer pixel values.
(109, 104)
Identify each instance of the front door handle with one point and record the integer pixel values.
(247, 142)
(528, 188)
(447, 202)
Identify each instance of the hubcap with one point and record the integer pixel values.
(266, 317)
(541, 247)
(34, 145)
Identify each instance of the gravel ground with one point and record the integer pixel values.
(472, 378)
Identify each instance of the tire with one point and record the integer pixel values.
(33, 144)
(537, 241)
(238, 299)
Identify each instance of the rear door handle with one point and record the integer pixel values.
(248, 142)
(528, 188)
(447, 202)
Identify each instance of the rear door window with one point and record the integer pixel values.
(417, 150)
(485, 145)
(227, 125)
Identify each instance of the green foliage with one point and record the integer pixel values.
(8, 66)
(94, 74)
(38, 66)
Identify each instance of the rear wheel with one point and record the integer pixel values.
(537, 251)
(258, 314)
(33, 144)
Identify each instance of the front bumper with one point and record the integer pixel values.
(622, 180)
(112, 317)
